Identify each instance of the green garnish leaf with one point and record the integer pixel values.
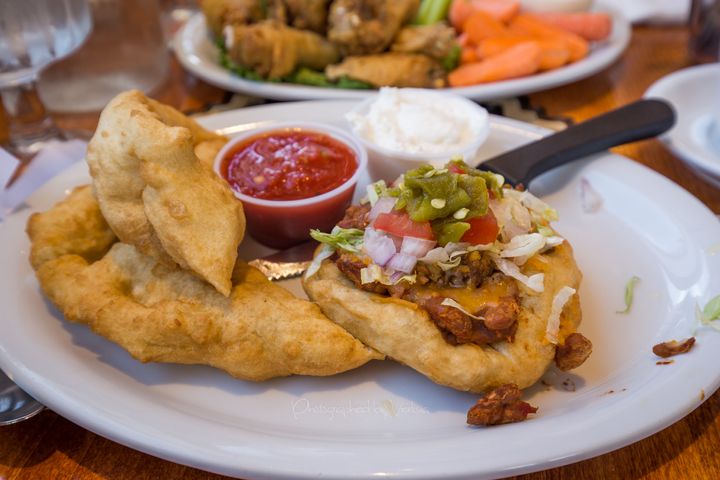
(348, 239)
(452, 59)
(629, 294)
(711, 312)
(710, 315)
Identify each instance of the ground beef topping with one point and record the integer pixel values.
(356, 216)
(473, 269)
(573, 353)
(673, 347)
(502, 405)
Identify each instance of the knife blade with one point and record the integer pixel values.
(285, 264)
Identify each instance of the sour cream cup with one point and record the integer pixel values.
(284, 223)
(388, 164)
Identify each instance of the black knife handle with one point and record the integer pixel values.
(636, 121)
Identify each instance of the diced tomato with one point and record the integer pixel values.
(482, 229)
(454, 168)
(399, 223)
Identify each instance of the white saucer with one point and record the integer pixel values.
(695, 94)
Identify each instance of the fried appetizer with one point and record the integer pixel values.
(391, 69)
(308, 14)
(78, 213)
(157, 195)
(361, 27)
(436, 40)
(274, 50)
(165, 314)
(219, 13)
(454, 276)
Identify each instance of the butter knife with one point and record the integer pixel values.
(288, 263)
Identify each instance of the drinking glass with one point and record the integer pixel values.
(34, 33)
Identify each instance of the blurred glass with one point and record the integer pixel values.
(704, 44)
(34, 33)
(126, 50)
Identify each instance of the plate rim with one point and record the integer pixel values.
(674, 139)
(186, 52)
(130, 438)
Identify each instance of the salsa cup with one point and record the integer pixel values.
(284, 223)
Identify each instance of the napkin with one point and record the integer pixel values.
(53, 159)
(649, 11)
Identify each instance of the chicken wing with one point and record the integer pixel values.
(274, 50)
(391, 69)
(360, 27)
(436, 41)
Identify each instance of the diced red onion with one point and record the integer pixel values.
(378, 246)
(402, 262)
(383, 205)
(417, 247)
(398, 241)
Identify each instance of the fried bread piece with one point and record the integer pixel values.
(165, 314)
(157, 195)
(404, 331)
(79, 213)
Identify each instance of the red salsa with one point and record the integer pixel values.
(288, 165)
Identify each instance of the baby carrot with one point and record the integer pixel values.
(468, 55)
(553, 53)
(592, 26)
(530, 25)
(503, 10)
(482, 25)
(518, 61)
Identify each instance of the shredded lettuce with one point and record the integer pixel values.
(525, 245)
(326, 251)
(558, 303)
(629, 294)
(452, 303)
(375, 273)
(709, 316)
(534, 282)
(541, 211)
(348, 239)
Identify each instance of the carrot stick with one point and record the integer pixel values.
(518, 61)
(530, 25)
(592, 26)
(503, 10)
(468, 55)
(553, 53)
(482, 25)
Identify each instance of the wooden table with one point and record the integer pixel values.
(49, 446)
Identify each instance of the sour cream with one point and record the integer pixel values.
(419, 122)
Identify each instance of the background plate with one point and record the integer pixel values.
(198, 54)
(383, 418)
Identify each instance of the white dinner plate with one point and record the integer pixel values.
(695, 138)
(383, 419)
(198, 54)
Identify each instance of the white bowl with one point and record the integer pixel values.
(388, 164)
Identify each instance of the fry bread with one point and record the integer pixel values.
(157, 195)
(404, 331)
(162, 313)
